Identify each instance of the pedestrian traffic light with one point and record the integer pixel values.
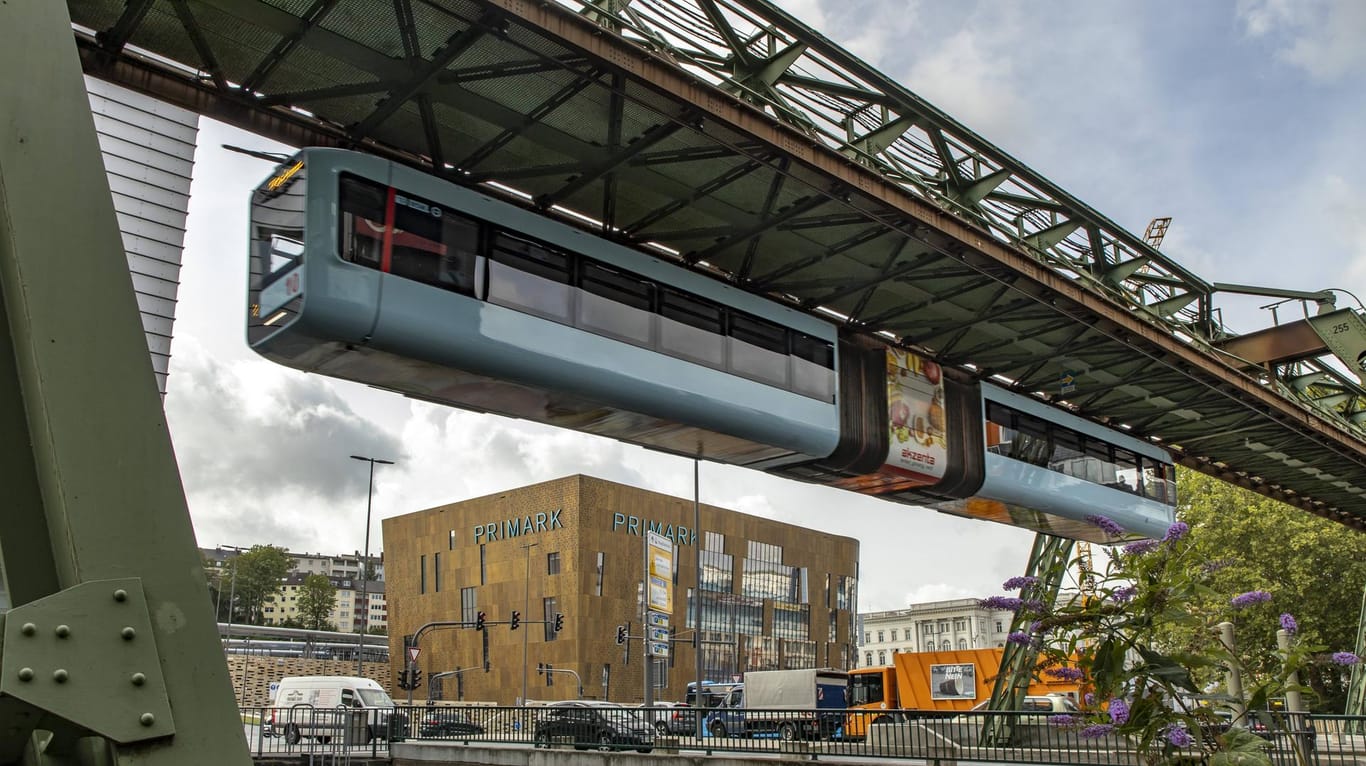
(559, 622)
(621, 634)
(516, 620)
(479, 621)
(417, 678)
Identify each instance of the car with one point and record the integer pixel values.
(447, 722)
(671, 717)
(589, 723)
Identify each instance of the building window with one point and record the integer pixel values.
(552, 563)
(422, 576)
(943, 626)
(483, 565)
(714, 541)
(927, 629)
(881, 636)
(962, 643)
(548, 606)
(945, 645)
(998, 626)
(436, 571)
(893, 634)
(867, 638)
(597, 582)
(469, 605)
(450, 546)
(881, 657)
(868, 659)
(960, 624)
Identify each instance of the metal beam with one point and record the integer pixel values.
(87, 457)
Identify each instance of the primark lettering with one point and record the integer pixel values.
(540, 522)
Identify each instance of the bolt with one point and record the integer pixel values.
(128, 633)
(147, 719)
(63, 631)
(120, 595)
(29, 629)
(60, 675)
(138, 679)
(26, 674)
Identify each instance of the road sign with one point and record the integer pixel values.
(659, 648)
(658, 619)
(412, 653)
(659, 634)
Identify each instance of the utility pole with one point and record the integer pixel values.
(364, 603)
(526, 611)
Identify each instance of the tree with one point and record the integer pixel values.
(1312, 567)
(317, 598)
(259, 572)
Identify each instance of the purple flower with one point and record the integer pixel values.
(1020, 637)
(1119, 711)
(1062, 720)
(1089, 699)
(1176, 532)
(1066, 674)
(1017, 583)
(1000, 602)
(1141, 547)
(1178, 736)
(1251, 597)
(1124, 594)
(1106, 524)
(1288, 624)
(1345, 658)
(1096, 731)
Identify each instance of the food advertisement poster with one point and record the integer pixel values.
(918, 446)
(953, 682)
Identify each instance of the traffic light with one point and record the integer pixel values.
(516, 620)
(549, 677)
(479, 621)
(403, 679)
(417, 678)
(621, 634)
(559, 622)
(540, 668)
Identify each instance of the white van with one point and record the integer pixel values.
(333, 706)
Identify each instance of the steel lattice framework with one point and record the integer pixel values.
(730, 137)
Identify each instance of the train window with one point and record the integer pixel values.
(529, 276)
(758, 349)
(615, 303)
(362, 221)
(432, 245)
(813, 363)
(691, 328)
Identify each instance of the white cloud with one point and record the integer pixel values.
(1321, 37)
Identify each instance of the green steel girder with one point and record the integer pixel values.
(1356, 689)
(1049, 560)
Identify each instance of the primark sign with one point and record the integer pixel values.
(521, 526)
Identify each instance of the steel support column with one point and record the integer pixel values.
(111, 645)
(1048, 561)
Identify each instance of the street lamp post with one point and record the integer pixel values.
(526, 612)
(364, 581)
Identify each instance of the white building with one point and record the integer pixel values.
(931, 627)
(346, 612)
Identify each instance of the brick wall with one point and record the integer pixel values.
(261, 672)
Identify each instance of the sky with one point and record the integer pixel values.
(1240, 120)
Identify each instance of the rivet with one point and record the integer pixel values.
(63, 631)
(138, 679)
(120, 595)
(25, 674)
(29, 629)
(60, 675)
(128, 633)
(147, 719)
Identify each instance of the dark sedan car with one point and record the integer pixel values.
(447, 722)
(601, 725)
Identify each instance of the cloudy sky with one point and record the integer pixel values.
(1241, 120)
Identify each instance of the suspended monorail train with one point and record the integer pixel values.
(375, 272)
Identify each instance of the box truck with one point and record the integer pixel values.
(794, 704)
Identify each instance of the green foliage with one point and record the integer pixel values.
(317, 598)
(1312, 567)
(258, 575)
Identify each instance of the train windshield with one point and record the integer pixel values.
(276, 247)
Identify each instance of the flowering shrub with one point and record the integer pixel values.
(1137, 689)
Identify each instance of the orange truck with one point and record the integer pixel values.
(945, 681)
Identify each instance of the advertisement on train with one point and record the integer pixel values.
(918, 447)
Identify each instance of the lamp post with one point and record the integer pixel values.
(364, 602)
(526, 611)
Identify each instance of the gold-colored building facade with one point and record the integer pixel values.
(774, 595)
